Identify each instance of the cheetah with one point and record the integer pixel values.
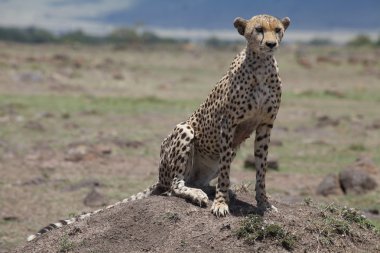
(201, 149)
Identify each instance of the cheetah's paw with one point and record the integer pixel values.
(267, 207)
(272, 208)
(199, 197)
(220, 209)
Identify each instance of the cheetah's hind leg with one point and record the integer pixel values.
(179, 161)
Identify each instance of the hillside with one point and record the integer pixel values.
(305, 15)
(170, 224)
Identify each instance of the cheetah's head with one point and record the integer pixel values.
(263, 32)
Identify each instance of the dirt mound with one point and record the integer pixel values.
(170, 224)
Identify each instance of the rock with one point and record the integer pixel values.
(374, 211)
(11, 218)
(334, 93)
(90, 183)
(34, 125)
(35, 181)
(61, 57)
(375, 125)
(356, 180)
(118, 76)
(329, 186)
(65, 115)
(103, 149)
(82, 152)
(77, 153)
(250, 162)
(95, 199)
(365, 163)
(45, 115)
(29, 77)
(70, 125)
(325, 120)
(127, 144)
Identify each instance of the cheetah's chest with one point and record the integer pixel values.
(264, 101)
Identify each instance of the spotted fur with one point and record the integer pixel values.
(245, 100)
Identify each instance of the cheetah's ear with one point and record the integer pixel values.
(285, 22)
(240, 24)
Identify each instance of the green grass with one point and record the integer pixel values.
(357, 147)
(335, 222)
(352, 215)
(366, 201)
(65, 245)
(336, 226)
(73, 104)
(363, 95)
(101, 113)
(345, 217)
(254, 229)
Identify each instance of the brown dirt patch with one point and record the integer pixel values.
(170, 224)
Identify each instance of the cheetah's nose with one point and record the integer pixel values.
(271, 44)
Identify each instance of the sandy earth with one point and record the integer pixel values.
(170, 224)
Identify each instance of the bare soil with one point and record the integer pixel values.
(170, 224)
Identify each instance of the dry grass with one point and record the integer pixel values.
(56, 96)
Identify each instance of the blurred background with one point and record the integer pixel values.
(89, 89)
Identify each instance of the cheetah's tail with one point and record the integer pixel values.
(61, 223)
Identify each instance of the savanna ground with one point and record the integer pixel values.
(75, 118)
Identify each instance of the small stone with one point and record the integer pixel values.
(335, 93)
(364, 162)
(118, 76)
(76, 154)
(329, 186)
(65, 115)
(325, 121)
(103, 149)
(34, 125)
(11, 218)
(95, 199)
(374, 211)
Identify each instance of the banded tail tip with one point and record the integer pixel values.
(31, 238)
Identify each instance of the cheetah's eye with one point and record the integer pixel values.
(277, 30)
(259, 29)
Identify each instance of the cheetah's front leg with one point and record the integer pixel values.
(262, 141)
(221, 201)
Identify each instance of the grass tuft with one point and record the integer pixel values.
(357, 147)
(353, 215)
(338, 221)
(336, 226)
(174, 217)
(65, 245)
(254, 229)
